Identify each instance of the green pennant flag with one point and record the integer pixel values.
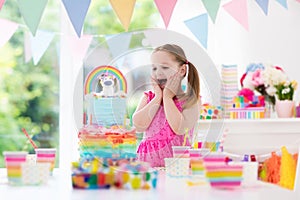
(212, 7)
(32, 12)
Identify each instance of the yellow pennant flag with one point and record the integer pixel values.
(124, 10)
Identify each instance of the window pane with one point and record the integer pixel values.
(28, 92)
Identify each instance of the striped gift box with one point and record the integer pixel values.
(221, 175)
(224, 176)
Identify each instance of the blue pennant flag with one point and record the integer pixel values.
(263, 4)
(199, 27)
(77, 10)
(283, 3)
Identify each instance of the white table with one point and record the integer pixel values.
(59, 187)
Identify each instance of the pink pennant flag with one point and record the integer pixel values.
(8, 28)
(165, 9)
(239, 11)
(1, 3)
(79, 46)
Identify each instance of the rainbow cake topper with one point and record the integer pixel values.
(92, 78)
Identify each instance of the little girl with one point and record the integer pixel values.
(165, 113)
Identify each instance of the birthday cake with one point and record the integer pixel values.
(106, 133)
(107, 143)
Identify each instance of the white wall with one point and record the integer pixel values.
(273, 39)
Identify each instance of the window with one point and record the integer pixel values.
(29, 93)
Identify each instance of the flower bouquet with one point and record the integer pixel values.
(255, 79)
(269, 81)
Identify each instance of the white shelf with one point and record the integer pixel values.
(257, 136)
(240, 126)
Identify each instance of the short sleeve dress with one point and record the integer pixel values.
(159, 137)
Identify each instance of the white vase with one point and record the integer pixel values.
(285, 108)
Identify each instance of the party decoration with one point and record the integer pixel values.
(212, 7)
(263, 4)
(287, 170)
(239, 11)
(127, 175)
(165, 9)
(116, 47)
(209, 111)
(273, 168)
(283, 3)
(32, 14)
(77, 10)
(46, 155)
(10, 29)
(79, 46)
(35, 173)
(13, 161)
(229, 87)
(92, 78)
(40, 44)
(124, 10)
(1, 3)
(199, 27)
(177, 166)
(246, 106)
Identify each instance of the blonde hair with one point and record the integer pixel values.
(193, 88)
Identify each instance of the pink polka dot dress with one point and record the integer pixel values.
(159, 137)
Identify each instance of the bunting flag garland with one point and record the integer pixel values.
(283, 3)
(77, 10)
(1, 3)
(124, 10)
(212, 7)
(116, 47)
(8, 31)
(239, 11)
(79, 46)
(263, 4)
(165, 9)
(32, 14)
(199, 27)
(39, 44)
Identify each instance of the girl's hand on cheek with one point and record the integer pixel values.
(156, 88)
(172, 85)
